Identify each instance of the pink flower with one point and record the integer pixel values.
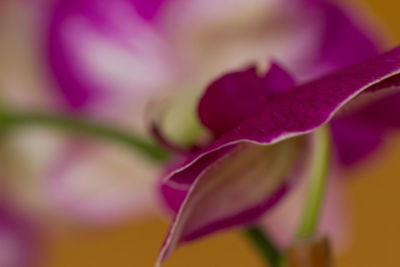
(263, 127)
(111, 60)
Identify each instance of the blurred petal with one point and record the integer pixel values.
(93, 183)
(236, 96)
(382, 112)
(237, 189)
(98, 47)
(342, 28)
(74, 90)
(222, 35)
(357, 134)
(148, 9)
(345, 39)
(355, 139)
(98, 50)
(19, 243)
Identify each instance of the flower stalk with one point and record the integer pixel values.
(10, 120)
(264, 245)
(315, 195)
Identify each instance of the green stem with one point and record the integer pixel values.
(10, 120)
(265, 246)
(319, 171)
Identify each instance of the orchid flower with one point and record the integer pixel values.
(268, 134)
(111, 60)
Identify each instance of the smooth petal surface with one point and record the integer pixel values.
(345, 39)
(236, 189)
(236, 96)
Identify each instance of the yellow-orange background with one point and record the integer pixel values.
(373, 191)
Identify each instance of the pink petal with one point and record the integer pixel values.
(236, 96)
(298, 111)
(237, 189)
(292, 113)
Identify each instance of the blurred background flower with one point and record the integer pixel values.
(80, 56)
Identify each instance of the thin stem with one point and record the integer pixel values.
(10, 120)
(316, 190)
(265, 246)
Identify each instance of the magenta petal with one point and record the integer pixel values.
(237, 189)
(236, 96)
(277, 80)
(75, 90)
(78, 28)
(231, 99)
(19, 240)
(355, 139)
(148, 9)
(344, 42)
(361, 132)
(383, 112)
(300, 110)
(226, 189)
(172, 197)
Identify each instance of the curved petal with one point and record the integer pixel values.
(219, 108)
(237, 189)
(172, 197)
(298, 111)
(345, 40)
(225, 180)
